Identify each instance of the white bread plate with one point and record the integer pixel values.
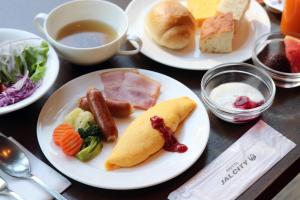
(275, 5)
(255, 23)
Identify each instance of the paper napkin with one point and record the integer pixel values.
(28, 189)
(243, 163)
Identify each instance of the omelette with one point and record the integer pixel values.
(140, 140)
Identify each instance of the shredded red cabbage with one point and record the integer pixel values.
(22, 89)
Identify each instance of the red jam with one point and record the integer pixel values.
(171, 143)
(245, 103)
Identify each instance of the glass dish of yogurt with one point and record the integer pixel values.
(237, 92)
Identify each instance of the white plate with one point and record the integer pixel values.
(159, 168)
(255, 24)
(275, 5)
(50, 74)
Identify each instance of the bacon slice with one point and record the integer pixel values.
(130, 86)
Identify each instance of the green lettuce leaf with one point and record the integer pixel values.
(31, 58)
(39, 73)
(36, 58)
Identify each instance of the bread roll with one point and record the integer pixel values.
(170, 24)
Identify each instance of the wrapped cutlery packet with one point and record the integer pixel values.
(21, 186)
(242, 164)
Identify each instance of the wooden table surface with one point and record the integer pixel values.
(284, 115)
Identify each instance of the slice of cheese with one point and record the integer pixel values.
(202, 9)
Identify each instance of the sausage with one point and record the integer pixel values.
(120, 109)
(84, 104)
(102, 115)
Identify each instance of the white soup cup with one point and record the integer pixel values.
(100, 10)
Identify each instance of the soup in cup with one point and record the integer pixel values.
(87, 32)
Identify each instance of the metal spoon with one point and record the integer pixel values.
(4, 190)
(14, 162)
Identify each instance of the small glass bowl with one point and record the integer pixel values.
(241, 73)
(269, 45)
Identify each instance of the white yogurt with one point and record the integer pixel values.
(226, 94)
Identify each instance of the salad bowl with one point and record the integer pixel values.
(28, 68)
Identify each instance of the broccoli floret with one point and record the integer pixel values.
(91, 148)
(92, 130)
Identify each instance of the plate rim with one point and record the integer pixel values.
(54, 71)
(269, 4)
(66, 172)
(203, 68)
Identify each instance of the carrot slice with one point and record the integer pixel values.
(71, 143)
(59, 131)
